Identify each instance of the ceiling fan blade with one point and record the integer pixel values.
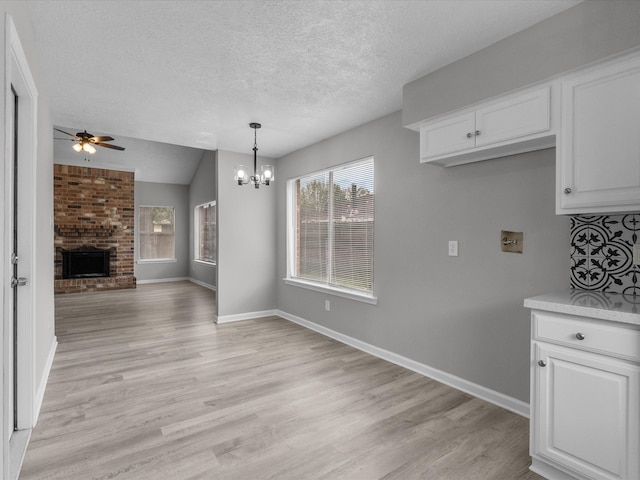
(107, 145)
(66, 133)
(101, 139)
(70, 139)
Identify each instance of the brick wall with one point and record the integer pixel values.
(94, 207)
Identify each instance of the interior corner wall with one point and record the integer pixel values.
(246, 241)
(165, 194)
(201, 190)
(462, 315)
(583, 34)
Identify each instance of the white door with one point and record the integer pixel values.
(18, 254)
(588, 412)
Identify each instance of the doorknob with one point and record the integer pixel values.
(18, 282)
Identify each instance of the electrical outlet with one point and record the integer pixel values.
(453, 248)
(327, 305)
(636, 254)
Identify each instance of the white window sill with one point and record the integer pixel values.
(158, 260)
(350, 294)
(211, 264)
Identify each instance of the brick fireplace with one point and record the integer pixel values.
(94, 209)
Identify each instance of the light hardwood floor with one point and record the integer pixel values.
(145, 386)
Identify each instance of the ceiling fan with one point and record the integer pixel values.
(86, 141)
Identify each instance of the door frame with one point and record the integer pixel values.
(18, 74)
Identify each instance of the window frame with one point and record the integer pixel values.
(196, 236)
(291, 208)
(139, 237)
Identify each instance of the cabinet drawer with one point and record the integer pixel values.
(598, 336)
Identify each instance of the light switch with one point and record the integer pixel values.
(453, 248)
(636, 254)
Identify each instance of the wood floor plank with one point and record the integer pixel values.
(145, 386)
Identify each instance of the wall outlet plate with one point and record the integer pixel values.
(636, 254)
(511, 241)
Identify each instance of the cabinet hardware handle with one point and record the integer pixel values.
(580, 336)
(567, 191)
(469, 135)
(542, 363)
(477, 132)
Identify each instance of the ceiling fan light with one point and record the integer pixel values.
(87, 147)
(77, 147)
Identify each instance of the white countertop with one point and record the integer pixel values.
(614, 307)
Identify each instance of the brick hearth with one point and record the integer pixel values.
(94, 207)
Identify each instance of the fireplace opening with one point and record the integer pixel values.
(85, 262)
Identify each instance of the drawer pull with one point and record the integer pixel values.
(542, 363)
(580, 336)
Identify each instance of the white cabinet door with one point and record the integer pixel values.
(514, 117)
(513, 124)
(447, 136)
(599, 148)
(585, 412)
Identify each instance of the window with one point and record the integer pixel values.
(331, 224)
(204, 221)
(156, 227)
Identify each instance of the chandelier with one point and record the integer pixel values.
(241, 173)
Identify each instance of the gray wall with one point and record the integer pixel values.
(246, 240)
(580, 35)
(462, 315)
(202, 190)
(165, 194)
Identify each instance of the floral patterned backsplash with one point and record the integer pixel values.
(602, 253)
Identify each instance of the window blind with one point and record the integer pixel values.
(334, 226)
(156, 232)
(205, 232)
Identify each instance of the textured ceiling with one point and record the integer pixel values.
(195, 73)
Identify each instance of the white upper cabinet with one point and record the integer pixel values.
(514, 118)
(448, 136)
(599, 149)
(512, 124)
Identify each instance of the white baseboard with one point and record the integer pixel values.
(177, 279)
(162, 280)
(508, 403)
(203, 284)
(245, 316)
(43, 381)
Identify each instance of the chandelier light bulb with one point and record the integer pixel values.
(77, 147)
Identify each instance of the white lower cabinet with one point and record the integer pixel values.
(585, 398)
